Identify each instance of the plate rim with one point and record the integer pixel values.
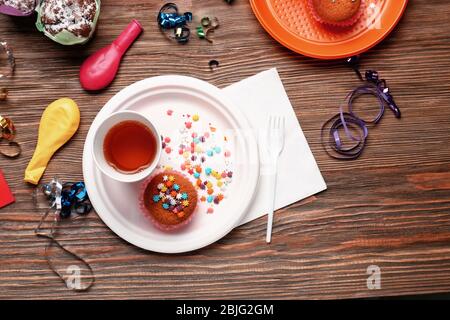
(260, 9)
(217, 94)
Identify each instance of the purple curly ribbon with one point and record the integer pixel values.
(334, 145)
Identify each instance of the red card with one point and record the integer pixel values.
(6, 197)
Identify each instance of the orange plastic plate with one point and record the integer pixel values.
(290, 23)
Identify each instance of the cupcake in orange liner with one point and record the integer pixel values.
(168, 199)
(339, 13)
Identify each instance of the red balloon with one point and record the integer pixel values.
(100, 69)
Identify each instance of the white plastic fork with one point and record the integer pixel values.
(275, 144)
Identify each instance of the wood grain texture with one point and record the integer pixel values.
(391, 207)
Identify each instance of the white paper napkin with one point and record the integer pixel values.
(298, 175)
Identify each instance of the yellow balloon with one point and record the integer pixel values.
(59, 122)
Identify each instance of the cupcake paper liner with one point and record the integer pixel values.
(11, 11)
(150, 216)
(346, 23)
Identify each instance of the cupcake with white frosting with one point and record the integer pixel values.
(68, 22)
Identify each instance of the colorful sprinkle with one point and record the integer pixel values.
(217, 149)
(169, 112)
(209, 153)
(184, 196)
(185, 203)
(180, 214)
(165, 206)
(210, 199)
(188, 125)
(167, 140)
(210, 210)
(208, 171)
(196, 175)
(168, 150)
(227, 154)
(195, 117)
(156, 198)
(176, 187)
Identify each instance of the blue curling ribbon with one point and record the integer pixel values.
(68, 197)
(173, 20)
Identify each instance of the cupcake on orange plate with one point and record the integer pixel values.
(341, 13)
(169, 199)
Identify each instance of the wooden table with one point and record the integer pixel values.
(390, 208)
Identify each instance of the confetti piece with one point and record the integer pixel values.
(212, 129)
(188, 125)
(168, 150)
(195, 117)
(210, 199)
(208, 171)
(210, 191)
(217, 149)
(227, 154)
(202, 198)
(194, 135)
(209, 153)
(169, 112)
(210, 210)
(167, 140)
(196, 175)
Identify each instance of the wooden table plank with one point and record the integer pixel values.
(390, 208)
